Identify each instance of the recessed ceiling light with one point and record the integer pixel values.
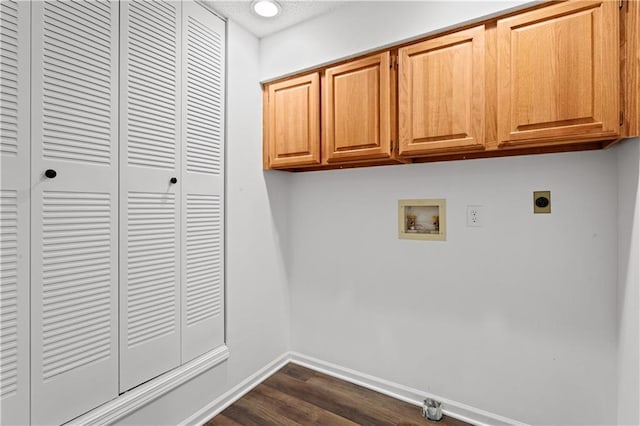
(266, 8)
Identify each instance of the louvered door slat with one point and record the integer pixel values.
(74, 216)
(203, 177)
(149, 203)
(151, 279)
(14, 211)
(76, 59)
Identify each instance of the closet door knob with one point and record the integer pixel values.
(50, 173)
(173, 180)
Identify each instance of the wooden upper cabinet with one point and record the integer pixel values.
(292, 122)
(558, 74)
(441, 94)
(356, 114)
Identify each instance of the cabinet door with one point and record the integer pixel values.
(357, 110)
(558, 74)
(293, 122)
(202, 226)
(150, 84)
(74, 264)
(14, 212)
(441, 94)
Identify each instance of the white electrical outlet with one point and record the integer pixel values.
(475, 216)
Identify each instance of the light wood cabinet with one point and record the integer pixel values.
(558, 74)
(630, 67)
(441, 93)
(357, 110)
(554, 77)
(292, 123)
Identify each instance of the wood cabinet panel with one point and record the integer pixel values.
(293, 122)
(357, 102)
(630, 66)
(442, 93)
(558, 74)
(554, 77)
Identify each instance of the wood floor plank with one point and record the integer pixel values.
(373, 403)
(383, 408)
(298, 410)
(241, 415)
(325, 399)
(297, 371)
(396, 406)
(222, 420)
(393, 407)
(248, 416)
(253, 403)
(296, 395)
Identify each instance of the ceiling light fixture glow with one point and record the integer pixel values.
(266, 8)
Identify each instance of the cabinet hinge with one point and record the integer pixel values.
(620, 4)
(391, 144)
(621, 118)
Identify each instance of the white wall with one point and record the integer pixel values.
(257, 300)
(628, 283)
(517, 318)
(362, 26)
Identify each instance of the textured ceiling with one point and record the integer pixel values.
(292, 13)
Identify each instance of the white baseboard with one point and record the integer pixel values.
(234, 394)
(138, 397)
(451, 408)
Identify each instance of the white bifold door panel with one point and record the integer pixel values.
(111, 199)
(150, 105)
(14, 212)
(74, 205)
(202, 181)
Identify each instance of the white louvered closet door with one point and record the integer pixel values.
(14, 212)
(203, 38)
(74, 358)
(149, 201)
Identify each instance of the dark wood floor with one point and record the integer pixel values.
(298, 396)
